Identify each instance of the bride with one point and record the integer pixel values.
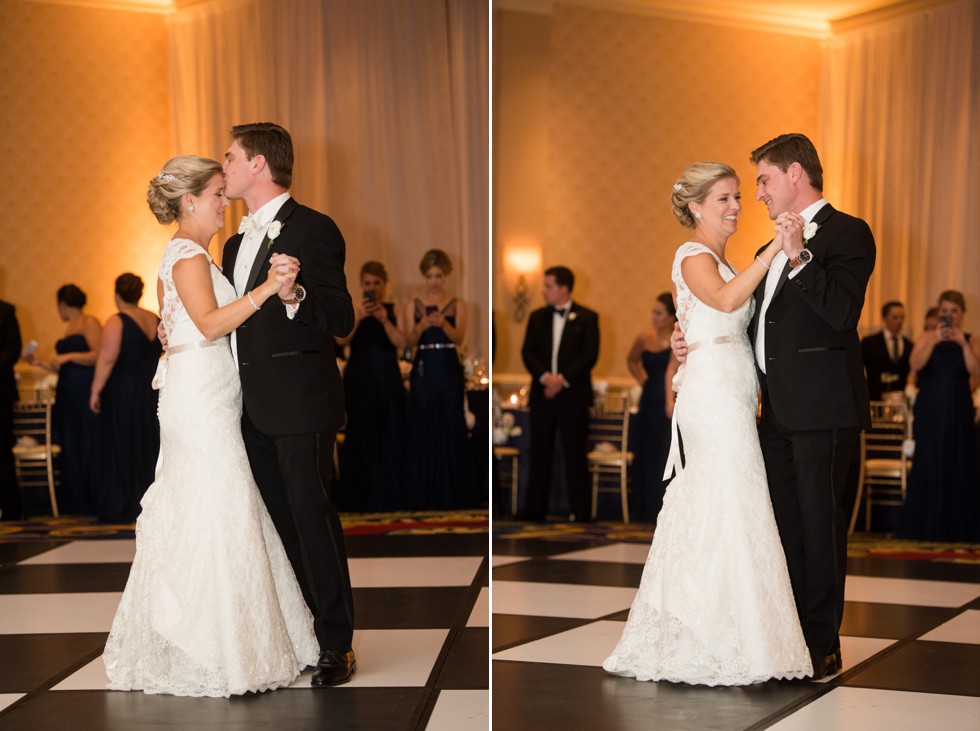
(211, 607)
(715, 605)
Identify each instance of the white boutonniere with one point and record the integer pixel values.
(809, 231)
(275, 228)
(572, 316)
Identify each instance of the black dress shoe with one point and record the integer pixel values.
(824, 665)
(334, 668)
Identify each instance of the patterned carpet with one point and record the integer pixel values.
(404, 523)
(860, 545)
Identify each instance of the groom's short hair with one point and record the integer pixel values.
(273, 143)
(786, 149)
(563, 276)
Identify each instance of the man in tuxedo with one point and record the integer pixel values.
(886, 354)
(814, 394)
(293, 400)
(561, 347)
(10, 505)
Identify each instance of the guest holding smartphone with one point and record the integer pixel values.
(440, 465)
(942, 497)
(372, 457)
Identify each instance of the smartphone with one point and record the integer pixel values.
(946, 321)
(431, 309)
(370, 295)
(30, 348)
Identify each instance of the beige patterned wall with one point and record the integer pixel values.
(85, 123)
(596, 113)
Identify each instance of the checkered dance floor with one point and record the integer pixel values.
(910, 643)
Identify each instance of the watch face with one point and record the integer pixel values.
(299, 293)
(804, 256)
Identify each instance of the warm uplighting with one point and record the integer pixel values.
(522, 261)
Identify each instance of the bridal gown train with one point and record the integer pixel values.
(211, 607)
(715, 605)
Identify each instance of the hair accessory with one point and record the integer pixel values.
(677, 187)
(167, 177)
(699, 215)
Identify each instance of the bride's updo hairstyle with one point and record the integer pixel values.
(182, 175)
(693, 186)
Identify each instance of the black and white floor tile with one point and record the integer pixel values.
(421, 638)
(910, 644)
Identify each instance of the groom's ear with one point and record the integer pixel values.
(795, 171)
(258, 163)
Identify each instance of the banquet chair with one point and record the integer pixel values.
(33, 451)
(885, 459)
(608, 456)
(511, 455)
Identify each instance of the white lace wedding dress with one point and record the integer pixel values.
(715, 605)
(212, 607)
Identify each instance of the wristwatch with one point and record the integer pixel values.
(803, 257)
(299, 294)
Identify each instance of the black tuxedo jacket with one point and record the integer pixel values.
(577, 352)
(288, 368)
(883, 375)
(9, 352)
(814, 370)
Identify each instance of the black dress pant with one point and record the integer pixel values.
(570, 419)
(10, 504)
(807, 473)
(294, 475)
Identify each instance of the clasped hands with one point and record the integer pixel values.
(789, 233)
(284, 269)
(554, 384)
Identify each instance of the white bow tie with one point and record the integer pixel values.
(249, 222)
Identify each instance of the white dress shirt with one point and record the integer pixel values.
(557, 328)
(251, 241)
(779, 262)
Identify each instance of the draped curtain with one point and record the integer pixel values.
(901, 115)
(387, 104)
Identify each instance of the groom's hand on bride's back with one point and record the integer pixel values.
(162, 334)
(678, 344)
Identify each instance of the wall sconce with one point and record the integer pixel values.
(522, 260)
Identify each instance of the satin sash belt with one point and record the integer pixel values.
(674, 465)
(436, 346)
(160, 377)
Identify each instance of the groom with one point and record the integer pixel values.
(293, 400)
(814, 394)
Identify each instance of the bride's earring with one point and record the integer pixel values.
(697, 215)
(190, 208)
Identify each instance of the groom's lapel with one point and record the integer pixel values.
(263, 253)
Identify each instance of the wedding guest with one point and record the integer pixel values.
(886, 354)
(648, 361)
(941, 500)
(126, 405)
(932, 319)
(560, 349)
(73, 423)
(10, 504)
(440, 471)
(372, 459)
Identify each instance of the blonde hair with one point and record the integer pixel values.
(693, 186)
(180, 176)
(436, 258)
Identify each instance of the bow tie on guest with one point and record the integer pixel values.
(249, 223)
(560, 311)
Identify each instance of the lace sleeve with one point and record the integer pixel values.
(686, 301)
(176, 250)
